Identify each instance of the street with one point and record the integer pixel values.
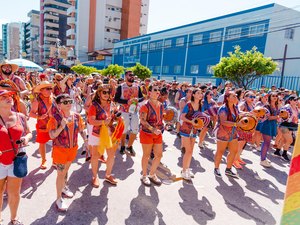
(255, 198)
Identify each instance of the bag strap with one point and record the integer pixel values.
(11, 141)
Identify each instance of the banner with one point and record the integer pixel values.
(291, 209)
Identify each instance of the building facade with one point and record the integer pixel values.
(11, 42)
(1, 50)
(31, 37)
(53, 26)
(97, 24)
(188, 52)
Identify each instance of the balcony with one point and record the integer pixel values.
(71, 10)
(70, 32)
(50, 17)
(50, 24)
(70, 20)
(70, 42)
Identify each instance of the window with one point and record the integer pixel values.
(152, 46)
(144, 47)
(157, 69)
(159, 44)
(115, 40)
(116, 51)
(289, 33)
(194, 69)
(209, 69)
(165, 69)
(234, 33)
(150, 68)
(180, 41)
(127, 50)
(134, 52)
(257, 30)
(177, 69)
(215, 36)
(197, 39)
(168, 43)
(121, 51)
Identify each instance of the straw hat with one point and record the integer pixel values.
(58, 76)
(14, 67)
(43, 84)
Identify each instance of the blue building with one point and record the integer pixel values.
(188, 52)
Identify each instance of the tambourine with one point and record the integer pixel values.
(285, 113)
(213, 111)
(200, 120)
(248, 120)
(261, 113)
(170, 114)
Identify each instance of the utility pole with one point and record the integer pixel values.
(283, 64)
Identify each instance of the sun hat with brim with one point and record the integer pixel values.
(14, 67)
(58, 76)
(6, 92)
(43, 84)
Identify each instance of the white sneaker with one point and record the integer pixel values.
(265, 163)
(61, 205)
(67, 193)
(185, 175)
(192, 175)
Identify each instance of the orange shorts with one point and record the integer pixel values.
(42, 136)
(147, 138)
(63, 155)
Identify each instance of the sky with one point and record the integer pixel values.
(163, 14)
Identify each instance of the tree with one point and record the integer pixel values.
(80, 69)
(141, 71)
(113, 70)
(243, 68)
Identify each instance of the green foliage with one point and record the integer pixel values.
(141, 71)
(243, 68)
(86, 70)
(113, 70)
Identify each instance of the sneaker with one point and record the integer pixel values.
(285, 157)
(229, 172)
(122, 150)
(43, 165)
(201, 145)
(155, 180)
(61, 205)
(130, 151)
(178, 135)
(111, 179)
(217, 172)
(265, 163)
(277, 153)
(67, 193)
(14, 222)
(95, 182)
(192, 175)
(102, 159)
(145, 180)
(185, 174)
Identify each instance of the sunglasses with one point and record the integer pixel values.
(156, 90)
(66, 102)
(48, 89)
(106, 92)
(58, 80)
(210, 94)
(274, 96)
(251, 96)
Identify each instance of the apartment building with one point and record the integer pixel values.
(11, 40)
(95, 25)
(31, 35)
(53, 26)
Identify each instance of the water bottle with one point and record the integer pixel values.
(132, 107)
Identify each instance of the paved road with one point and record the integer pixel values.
(255, 198)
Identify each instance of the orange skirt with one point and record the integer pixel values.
(42, 136)
(62, 155)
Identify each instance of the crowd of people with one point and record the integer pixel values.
(65, 105)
